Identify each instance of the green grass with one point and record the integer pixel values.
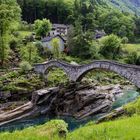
(132, 48)
(56, 76)
(133, 108)
(105, 78)
(122, 129)
(18, 81)
(48, 131)
(24, 33)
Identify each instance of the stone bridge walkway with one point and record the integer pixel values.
(77, 72)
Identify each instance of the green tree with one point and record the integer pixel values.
(81, 43)
(56, 47)
(42, 27)
(84, 46)
(9, 15)
(137, 23)
(25, 66)
(85, 14)
(110, 46)
(57, 11)
(118, 23)
(29, 53)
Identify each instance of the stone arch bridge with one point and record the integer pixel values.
(77, 72)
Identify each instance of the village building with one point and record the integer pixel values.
(59, 29)
(99, 34)
(47, 42)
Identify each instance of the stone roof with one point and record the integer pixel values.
(49, 38)
(99, 33)
(60, 26)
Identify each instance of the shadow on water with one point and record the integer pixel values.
(130, 95)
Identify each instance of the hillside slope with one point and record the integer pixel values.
(132, 6)
(135, 2)
(122, 129)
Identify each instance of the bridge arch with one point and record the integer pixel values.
(76, 73)
(130, 72)
(55, 75)
(100, 74)
(48, 69)
(43, 68)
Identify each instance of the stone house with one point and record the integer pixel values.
(99, 34)
(47, 42)
(59, 29)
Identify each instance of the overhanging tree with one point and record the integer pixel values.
(9, 14)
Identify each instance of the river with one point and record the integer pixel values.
(128, 96)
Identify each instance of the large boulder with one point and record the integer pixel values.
(76, 99)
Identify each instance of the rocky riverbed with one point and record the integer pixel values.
(79, 100)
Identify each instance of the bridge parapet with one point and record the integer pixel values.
(76, 73)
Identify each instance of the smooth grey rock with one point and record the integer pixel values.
(114, 114)
(75, 100)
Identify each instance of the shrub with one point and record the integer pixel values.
(43, 52)
(40, 48)
(110, 46)
(58, 125)
(56, 48)
(25, 66)
(19, 81)
(125, 40)
(133, 108)
(133, 58)
(13, 44)
(30, 53)
(56, 76)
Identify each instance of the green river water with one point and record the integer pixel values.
(129, 96)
